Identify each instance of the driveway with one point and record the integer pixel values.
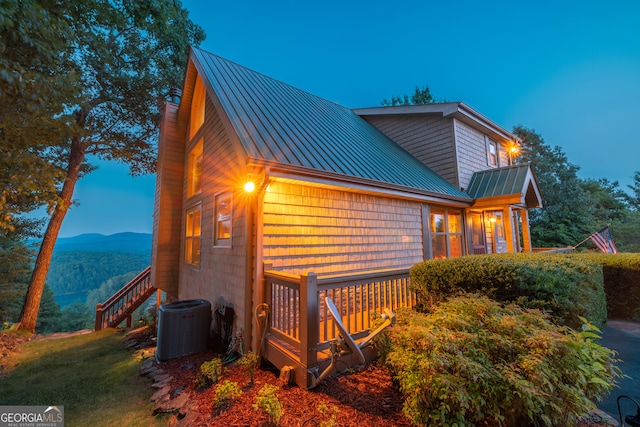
(623, 336)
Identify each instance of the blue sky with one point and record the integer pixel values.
(568, 69)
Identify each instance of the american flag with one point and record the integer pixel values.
(602, 239)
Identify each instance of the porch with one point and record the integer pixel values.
(299, 329)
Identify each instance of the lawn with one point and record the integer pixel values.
(92, 375)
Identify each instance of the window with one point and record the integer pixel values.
(194, 169)
(197, 108)
(492, 153)
(446, 232)
(192, 236)
(223, 220)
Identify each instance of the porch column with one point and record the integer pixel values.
(309, 320)
(508, 228)
(526, 232)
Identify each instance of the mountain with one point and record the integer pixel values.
(121, 242)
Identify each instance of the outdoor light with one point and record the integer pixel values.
(249, 187)
(492, 220)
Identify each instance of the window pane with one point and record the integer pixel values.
(194, 169)
(439, 246)
(224, 229)
(196, 223)
(196, 251)
(455, 222)
(437, 221)
(224, 208)
(455, 246)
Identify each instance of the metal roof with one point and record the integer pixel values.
(279, 123)
(516, 180)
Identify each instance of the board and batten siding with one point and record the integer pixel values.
(220, 277)
(327, 231)
(427, 138)
(167, 218)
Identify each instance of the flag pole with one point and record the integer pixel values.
(574, 248)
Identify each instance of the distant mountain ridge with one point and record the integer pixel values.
(127, 242)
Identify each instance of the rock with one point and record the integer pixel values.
(161, 394)
(171, 405)
(161, 377)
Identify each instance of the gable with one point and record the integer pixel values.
(515, 185)
(282, 126)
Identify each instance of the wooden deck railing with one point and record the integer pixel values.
(300, 323)
(121, 305)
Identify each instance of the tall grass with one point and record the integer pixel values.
(93, 376)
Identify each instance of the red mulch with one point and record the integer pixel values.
(365, 398)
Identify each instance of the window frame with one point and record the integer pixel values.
(448, 234)
(493, 159)
(194, 180)
(190, 237)
(198, 101)
(218, 219)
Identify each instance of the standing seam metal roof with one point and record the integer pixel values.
(499, 182)
(278, 122)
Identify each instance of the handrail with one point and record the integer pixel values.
(122, 304)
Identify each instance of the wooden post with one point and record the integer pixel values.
(308, 320)
(507, 223)
(98, 322)
(526, 232)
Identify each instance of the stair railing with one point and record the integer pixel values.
(122, 304)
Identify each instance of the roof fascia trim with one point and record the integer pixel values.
(279, 170)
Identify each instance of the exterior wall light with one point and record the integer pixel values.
(249, 187)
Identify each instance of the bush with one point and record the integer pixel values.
(564, 286)
(621, 282)
(225, 393)
(248, 362)
(267, 402)
(210, 373)
(473, 361)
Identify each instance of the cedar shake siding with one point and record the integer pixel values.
(321, 230)
(427, 138)
(167, 233)
(220, 276)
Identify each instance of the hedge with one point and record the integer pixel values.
(621, 282)
(566, 287)
(474, 361)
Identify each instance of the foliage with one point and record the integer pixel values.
(473, 361)
(330, 412)
(419, 96)
(93, 376)
(225, 393)
(566, 287)
(82, 271)
(249, 362)
(15, 267)
(49, 313)
(634, 198)
(267, 402)
(621, 278)
(120, 59)
(209, 373)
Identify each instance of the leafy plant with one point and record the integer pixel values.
(209, 373)
(268, 403)
(225, 393)
(564, 286)
(248, 362)
(331, 412)
(473, 361)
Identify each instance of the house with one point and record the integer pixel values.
(269, 198)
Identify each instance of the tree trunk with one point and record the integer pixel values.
(29, 314)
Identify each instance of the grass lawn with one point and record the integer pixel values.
(93, 376)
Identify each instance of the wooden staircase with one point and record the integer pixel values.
(122, 304)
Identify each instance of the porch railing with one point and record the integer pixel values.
(122, 304)
(300, 322)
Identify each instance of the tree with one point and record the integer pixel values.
(15, 266)
(420, 96)
(634, 197)
(567, 215)
(124, 56)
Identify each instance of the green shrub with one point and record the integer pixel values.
(209, 373)
(225, 393)
(328, 411)
(621, 282)
(564, 286)
(248, 362)
(267, 402)
(473, 361)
